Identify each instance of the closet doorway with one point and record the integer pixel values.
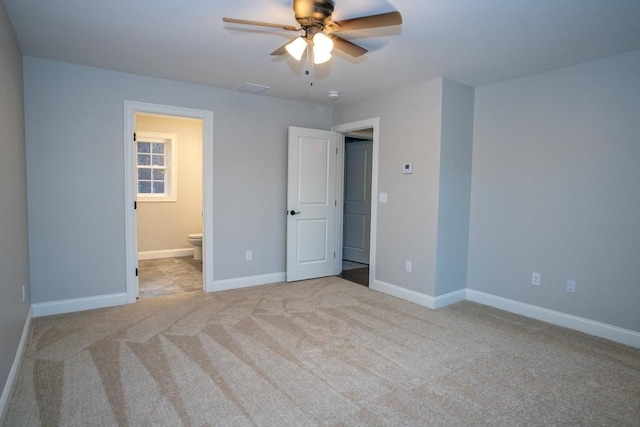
(357, 206)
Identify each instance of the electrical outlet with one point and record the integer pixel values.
(535, 279)
(248, 256)
(407, 266)
(571, 286)
(24, 294)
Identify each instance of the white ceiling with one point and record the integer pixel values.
(475, 42)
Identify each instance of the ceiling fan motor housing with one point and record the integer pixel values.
(313, 13)
(314, 17)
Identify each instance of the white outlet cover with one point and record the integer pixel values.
(535, 279)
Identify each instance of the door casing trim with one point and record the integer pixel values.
(131, 244)
(372, 123)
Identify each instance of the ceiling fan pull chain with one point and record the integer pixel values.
(309, 66)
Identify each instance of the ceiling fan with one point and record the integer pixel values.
(314, 17)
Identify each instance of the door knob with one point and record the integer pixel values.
(294, 212)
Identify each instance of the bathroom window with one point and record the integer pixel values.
(156, 167)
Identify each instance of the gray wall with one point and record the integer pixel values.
(75, 123)
(455, 187)
(556, 190)
(410, 121)
(426, 218)
(14, 248)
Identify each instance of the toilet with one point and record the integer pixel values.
(196, 240)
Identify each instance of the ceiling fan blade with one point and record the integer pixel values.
(371, 21)
(347, 47)
(260, 24)
(283, 49)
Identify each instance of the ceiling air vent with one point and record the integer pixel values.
(253, 88)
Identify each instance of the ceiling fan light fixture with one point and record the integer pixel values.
(322, 43)
(322, 47)
(320, 56)
(297, 47)
(315, 17)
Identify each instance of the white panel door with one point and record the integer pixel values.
(357, 201)
(311, 203)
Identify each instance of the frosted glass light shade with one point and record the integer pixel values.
(322, 43)
(320, 57)
(296, 48)
(322, 47)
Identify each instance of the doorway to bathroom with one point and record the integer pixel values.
(168, 175)
(168, 168)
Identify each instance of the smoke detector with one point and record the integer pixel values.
(333, 94)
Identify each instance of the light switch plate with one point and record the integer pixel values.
(382, 197)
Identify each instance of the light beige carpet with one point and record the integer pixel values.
(319, 352)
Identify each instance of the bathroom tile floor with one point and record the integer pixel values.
(168, 276)
(183, 274)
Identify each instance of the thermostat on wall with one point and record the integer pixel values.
(407, 168)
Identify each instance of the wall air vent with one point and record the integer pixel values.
(253, 88)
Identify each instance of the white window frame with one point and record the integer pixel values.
(171, 166)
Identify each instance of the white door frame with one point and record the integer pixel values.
(131, 244)
(358, 147)
(373, 123)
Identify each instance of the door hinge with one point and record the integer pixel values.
(134, 137)
(336, 150)
(136, 271)
(334, 254)
(335, 203)
(135, 205)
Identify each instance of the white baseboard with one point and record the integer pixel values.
(402, 293)
(450, 298)
(167, 253)
(11, 379)
(111, 300)
(418, 297)
(591, 327)
(245, 282)
(78, 304)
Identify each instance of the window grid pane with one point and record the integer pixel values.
(151, 168)
(144, 159)
(144, 173)
(158, 187)
(144, 147)
(144, 187)
(158, 175)
(158, 160)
